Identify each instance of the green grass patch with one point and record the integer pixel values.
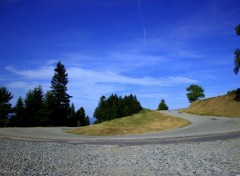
(146, 121)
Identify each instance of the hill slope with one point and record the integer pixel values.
(143, 122)
(225, 105)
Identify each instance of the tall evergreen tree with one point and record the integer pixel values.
(72, 121)
(19, 118)
(82, 119)
(5, 106)
(49, 108)
(62, 98)
(100, 111)
(34, 107)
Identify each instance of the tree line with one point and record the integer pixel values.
(116, 107)
(39, 109)
(53, 108)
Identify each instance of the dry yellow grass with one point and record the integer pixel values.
(216, 106)
(144, 122)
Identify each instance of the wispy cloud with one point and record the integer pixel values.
(25, 85)
(100, 77)
(154, 95)
(141, 19)
(87, 85)
(41, 73)
(111, 77)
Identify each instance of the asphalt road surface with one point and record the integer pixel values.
(202, 128)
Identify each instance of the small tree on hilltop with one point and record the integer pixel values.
(195, 92)
(162, 105)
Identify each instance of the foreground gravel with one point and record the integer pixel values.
(46, 158)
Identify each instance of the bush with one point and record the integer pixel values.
(235, 92)
(162, 105)
(231, 92)
(237, 98)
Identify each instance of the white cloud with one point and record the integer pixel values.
(108, 77)
(19, 85)
(78, 75)
(41, 73)
(154, 95)
(87, 85)
(27, 85)
(91, 84)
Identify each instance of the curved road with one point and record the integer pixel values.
(202, 128)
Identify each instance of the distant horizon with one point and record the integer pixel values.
(148, 48)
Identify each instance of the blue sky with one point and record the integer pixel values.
(151, 48)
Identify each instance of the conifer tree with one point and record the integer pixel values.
(72, 121)
(5, 106)
(49, 108)
(82, 119)
(19, 110)
(100, 111)
(62, 98)
(34, 107)
(162, 105)
(237, 53)
(116, 107)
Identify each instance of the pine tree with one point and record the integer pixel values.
(116, 107)
(34, 107)
(5, 106)
(19, 118)
(162, 105)
(62, 98)
(100, 111)
(72, 121)
(49, 108)
(237, 53)
(82, 119)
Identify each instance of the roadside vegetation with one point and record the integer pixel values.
(226, 105)
(116, 107)
(162, 105)
(195, 92)
(146, 121)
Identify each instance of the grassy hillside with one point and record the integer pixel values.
(225, 105)
(144, 122)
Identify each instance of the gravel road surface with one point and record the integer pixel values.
(213, 158)
(209, 146)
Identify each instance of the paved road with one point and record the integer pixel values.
(203, 128)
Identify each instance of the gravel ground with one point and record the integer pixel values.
(220, 157)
